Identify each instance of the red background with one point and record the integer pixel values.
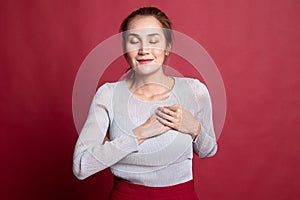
(254, 43)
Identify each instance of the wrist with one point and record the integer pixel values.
(139, 140)
(137, 132)
(197, 130)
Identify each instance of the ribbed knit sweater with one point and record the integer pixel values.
(163, 160)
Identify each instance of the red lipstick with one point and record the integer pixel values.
(145, 61)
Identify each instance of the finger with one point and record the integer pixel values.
(174, 108)
(177, 114)
(165, 115)
(167, 111)
(166, 122)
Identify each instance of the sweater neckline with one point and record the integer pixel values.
(148, 101)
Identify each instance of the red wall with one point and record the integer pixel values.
(254, 44)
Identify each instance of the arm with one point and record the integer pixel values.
(204, 143)
(200, 126)
(92, 152)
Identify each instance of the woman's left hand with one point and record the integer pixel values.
(179, 118)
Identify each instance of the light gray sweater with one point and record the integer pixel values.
(163, 160)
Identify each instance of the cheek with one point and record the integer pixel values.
(131, 55)
(130, 58)
(159, 53)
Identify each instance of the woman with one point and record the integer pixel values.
(155, 121)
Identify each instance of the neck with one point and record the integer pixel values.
(158, 78)
(150, 83)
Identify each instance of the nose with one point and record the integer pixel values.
(143, 50)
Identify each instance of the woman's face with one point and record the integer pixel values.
(145, 44)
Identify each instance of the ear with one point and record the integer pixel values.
(168, 50)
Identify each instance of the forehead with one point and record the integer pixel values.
(144, 24)
(140, 22)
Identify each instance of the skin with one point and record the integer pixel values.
(146, 50)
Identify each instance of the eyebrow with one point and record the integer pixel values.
(153, 34)
(149, 35)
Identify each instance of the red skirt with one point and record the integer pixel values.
(123, 190)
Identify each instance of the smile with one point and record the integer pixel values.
(145, 61)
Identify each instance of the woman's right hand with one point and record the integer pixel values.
(151, 128)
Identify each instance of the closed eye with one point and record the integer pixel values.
(153, 42)
(134, 42)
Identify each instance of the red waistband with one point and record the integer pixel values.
(124, 189)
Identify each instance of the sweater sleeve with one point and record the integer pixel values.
(93, 152)
(204, 144)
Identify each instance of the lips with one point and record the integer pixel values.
(144, 61)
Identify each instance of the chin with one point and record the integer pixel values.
(147, 69)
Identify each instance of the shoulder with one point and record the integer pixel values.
(105, 93)
(107, 88)
(198, 88)
(193, 82)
